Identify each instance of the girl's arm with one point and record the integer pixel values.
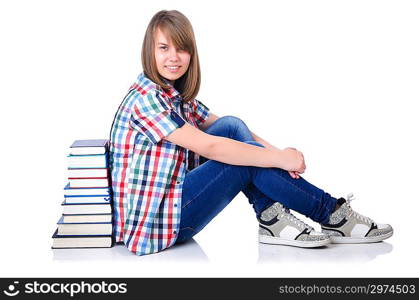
(236, 153)
(212, 118)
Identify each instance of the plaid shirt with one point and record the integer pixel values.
(148, 171)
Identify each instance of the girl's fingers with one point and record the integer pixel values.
(294, 174)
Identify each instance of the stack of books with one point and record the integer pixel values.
(86, 221)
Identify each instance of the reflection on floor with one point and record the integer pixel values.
(187, 252)
(344, 253)
(191, 252)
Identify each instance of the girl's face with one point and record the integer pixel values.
(171, 63)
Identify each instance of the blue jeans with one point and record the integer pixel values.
(210, 187)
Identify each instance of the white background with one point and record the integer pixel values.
(336, 79)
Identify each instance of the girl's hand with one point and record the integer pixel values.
(292, 161)
(294, 174)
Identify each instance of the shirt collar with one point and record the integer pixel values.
(147, 84)
(172, 92)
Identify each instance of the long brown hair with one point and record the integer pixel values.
(178, 28)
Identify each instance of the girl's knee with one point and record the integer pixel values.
(230, 127)
(238, 129)
(231, 121)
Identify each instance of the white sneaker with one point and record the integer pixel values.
(349, 227)
(278, 226)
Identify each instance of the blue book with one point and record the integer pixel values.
(89, 143)
(84, 147)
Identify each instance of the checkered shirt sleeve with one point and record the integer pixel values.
(153, 118)
(200, 112)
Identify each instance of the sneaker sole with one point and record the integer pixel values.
(265, 239)
(364, 240)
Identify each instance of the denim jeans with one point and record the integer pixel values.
(210, 187)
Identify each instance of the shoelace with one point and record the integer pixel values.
(287, 214)
(357, 215)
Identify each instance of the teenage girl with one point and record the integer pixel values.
(175, 165)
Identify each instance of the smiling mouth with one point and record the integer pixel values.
(172, 67)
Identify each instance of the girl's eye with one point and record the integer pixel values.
(165, 48)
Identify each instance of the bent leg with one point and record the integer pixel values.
(234, 128)
(209, 188)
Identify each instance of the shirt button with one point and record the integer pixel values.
(175, 205)
(177, 182)
(174, 232)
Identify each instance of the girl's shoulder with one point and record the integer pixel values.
(143, 86)
(147, 95)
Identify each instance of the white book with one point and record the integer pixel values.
(65, 228)
(87, 218)
(87, 172)
(81, 241)
(85, 191)
(87, 199)
(86, 208)
(88, 182)
(87, 161)
(87, 150)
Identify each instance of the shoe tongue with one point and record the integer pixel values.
(339, 214)
(271, 212)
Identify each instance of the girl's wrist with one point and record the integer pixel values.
(279, 158)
